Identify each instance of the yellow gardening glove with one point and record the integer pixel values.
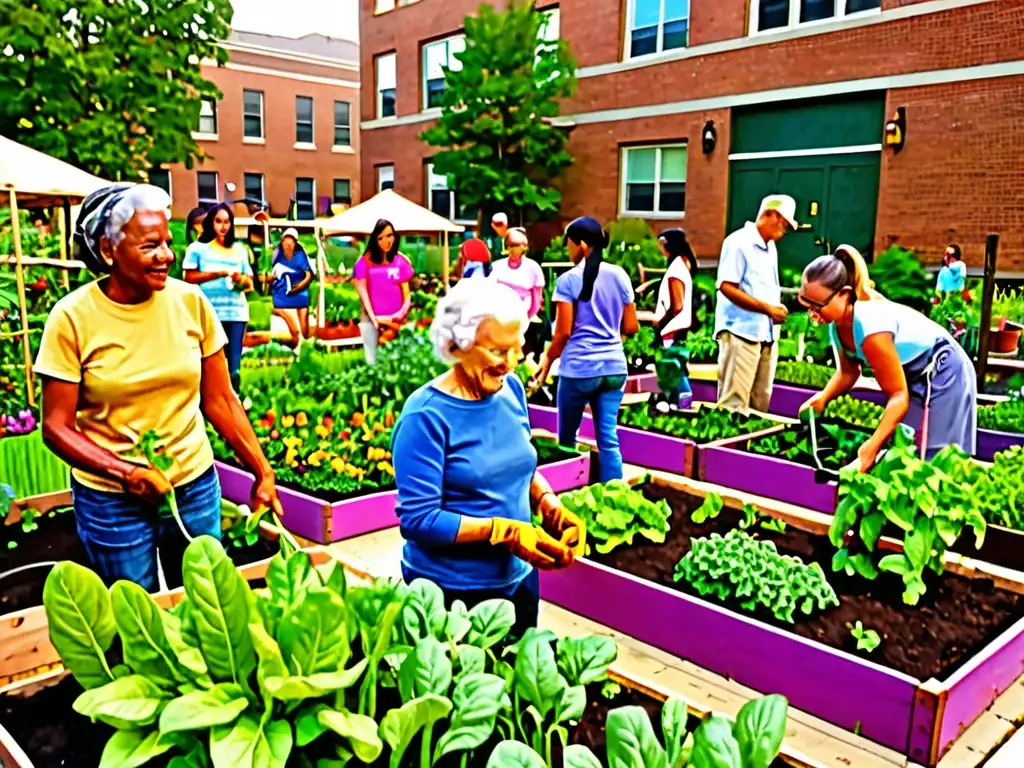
(530, 543)
(560, 522)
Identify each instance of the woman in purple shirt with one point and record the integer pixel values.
(381, 278)
(593, 310)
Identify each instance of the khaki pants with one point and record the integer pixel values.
(746, 371)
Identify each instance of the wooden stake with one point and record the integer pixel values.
(19, 274)
(444, 263)
(62, 228)
(987, 293)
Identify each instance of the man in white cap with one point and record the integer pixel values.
(750, 309)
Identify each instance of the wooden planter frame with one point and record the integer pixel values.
(920, 719)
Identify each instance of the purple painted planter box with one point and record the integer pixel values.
(704, 391)
(642, 382)
(919, 719)
(324, 522)
(991, 442)
(787, 398)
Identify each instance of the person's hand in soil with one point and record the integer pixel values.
(531, 543)
(148, 483)
(563, 524)
(264, 495)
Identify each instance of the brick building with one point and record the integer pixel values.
(798, 93)
(286, 128)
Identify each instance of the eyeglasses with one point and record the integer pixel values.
(817, 306)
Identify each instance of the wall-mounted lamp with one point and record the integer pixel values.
(709, 137)
(896, 130)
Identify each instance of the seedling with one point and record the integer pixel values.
(156, 457)
(867, 639)
(710, 509)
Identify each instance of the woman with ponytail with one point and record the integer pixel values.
(928, 378)
(593, 309)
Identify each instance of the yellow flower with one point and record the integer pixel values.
(315, 458)
(386, 468)
(290, 456)
(338, 465)
(322, 431)
(292, 442)
(287, 421)
(301, 419)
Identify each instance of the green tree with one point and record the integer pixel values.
(501, 148)
(112, 86)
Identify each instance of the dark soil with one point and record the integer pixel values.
(828, 449)
(54, 540)
(951, 623)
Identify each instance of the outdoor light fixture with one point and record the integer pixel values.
(709, 137)
(896, 130)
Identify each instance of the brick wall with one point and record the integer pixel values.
(961, 174)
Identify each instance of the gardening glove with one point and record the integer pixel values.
(560, 522)
(530, 543)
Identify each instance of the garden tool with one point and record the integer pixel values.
(672, 371)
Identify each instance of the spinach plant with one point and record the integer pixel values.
(801, 374)
(615, 513)
(867, 639)
(739, 567)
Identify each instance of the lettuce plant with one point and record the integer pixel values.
(860, 413)
(704, 425)
(615, 513)
(739, 567)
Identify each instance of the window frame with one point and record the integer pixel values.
(209, 202)
(334, 190)
(627, 38)
(445, 41)
(312, 122)
(655, 214)
(347, 126)
(214, 134)
(383, 6)
(794, 17)
(313, 197)
(245, 116)
(263, 184)
(379, 99)
(379, 182)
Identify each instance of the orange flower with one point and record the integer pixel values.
(389, 419)
(301, 419)
(358, 419)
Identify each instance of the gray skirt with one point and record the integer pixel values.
(943, 382)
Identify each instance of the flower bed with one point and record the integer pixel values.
(939, 666)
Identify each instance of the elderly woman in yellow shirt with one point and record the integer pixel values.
(133, 352)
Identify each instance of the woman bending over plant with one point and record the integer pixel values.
(465, 467)
(128, 355)
(927, 376)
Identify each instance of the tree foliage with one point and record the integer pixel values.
(500, 149)
(112, 86)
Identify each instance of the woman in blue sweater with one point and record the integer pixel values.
(465, 467)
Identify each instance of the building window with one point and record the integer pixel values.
(658, 25)
(443, 200)
(385, 177)
(303, 120)
(778, 14)
(252, 114)
(342, 124)
(342, 191)
(254, 190)
(386, 85)
(654, 179)
(438, 57)
(383, 6)
(549, 28)
(160, 177)
(208, 188)
(208, 118)
(305, 198)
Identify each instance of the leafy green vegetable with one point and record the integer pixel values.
(810, 375)
(739, 567)
(709, 509)
(640, 348)
(702, 426)
(837, 446)
(867, 639)
(615, 514)
(1007, 416)
(860, 413)
(999, 489)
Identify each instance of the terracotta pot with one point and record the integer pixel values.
(1004, 342)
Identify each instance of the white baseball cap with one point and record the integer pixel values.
(784, 205)
(291, 232)
(500, 219)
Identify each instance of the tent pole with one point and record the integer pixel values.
(444, 263)
(62, 228)
(22, 301)
(321, 301)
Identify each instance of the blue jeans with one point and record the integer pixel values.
(235, 330)
(122, 532)
(604, 396)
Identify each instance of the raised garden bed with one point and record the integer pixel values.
(940, 664)
(991, 442)
(323, 518)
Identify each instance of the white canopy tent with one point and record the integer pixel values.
(35, 178)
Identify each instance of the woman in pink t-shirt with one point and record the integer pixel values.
(381, 277)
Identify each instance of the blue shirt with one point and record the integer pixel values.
(289, 273)
(913, 334)
(456, 457)
(229, 304)
(952, 278)
(595, 346)
(473, 268)
(753, 264)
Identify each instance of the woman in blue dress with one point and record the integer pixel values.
(928, 378)
(291, 274)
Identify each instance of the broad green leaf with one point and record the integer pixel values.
(478, 700)
(471, 660)
(537, 678)
(399, 726)
(895, 564)
(917, 545)
(220, 609)
(948, 530)
(80, 621)
(571, 704)
(196, 711)
(900, 514)
(531, 634)
(514, 754)
(760, 729)
(308, 727)
(862, 565)
(674, 718)
(490, 621)
(249, 744)
(334, 579)
(289, 579)
(424, 612)
(313, 635)
(128, 749)
(360, 730)
(271, 663)
(299, 687)
(141, 628)
(714, 745)
(579, 756)
(426, 670)
(189, 656)
(871, 528)
(585, 660)
(126, 703)
(631, 740)
(459, 623)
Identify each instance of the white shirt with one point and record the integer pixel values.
(677, 270)
(522, 279)
(753, 265)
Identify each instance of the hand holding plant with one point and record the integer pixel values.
(560, 522)
(530, 543)
(149, 483)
